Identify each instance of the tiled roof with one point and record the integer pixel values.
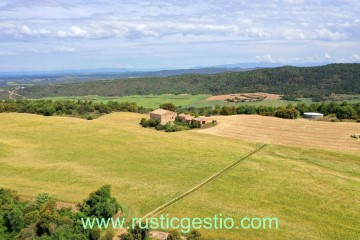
(161, 111)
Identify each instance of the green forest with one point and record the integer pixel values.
(314, 82)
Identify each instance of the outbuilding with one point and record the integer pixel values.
(313, 115)
(185, 118)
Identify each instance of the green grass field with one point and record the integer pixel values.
(315, 194)
(185, 100)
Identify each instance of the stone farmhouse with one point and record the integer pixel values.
(164, 116)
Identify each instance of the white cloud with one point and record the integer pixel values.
(256, 32)
(291, 34)
(326, 34)
(74, 31)
(25, 30)
(265, 58)
(63, 49)
(327, 56)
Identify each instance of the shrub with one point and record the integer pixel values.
(137, 233)
(288, 113)
(346, 112)
(160, 127)
(194, 235)
(168, 106)
(195, 124)
(153, 122)
(109, 235)
(43, 198)
(174, 235)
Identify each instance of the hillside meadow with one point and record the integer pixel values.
(314, 193)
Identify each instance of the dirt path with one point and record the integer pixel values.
(11, 93)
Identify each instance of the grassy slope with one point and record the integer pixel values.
(71, 157)
(314, 193)
(153, 101)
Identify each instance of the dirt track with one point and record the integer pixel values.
(301, 132)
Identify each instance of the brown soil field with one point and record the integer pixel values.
(333, 136)
(259, 95)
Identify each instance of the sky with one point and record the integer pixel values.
(41, 35)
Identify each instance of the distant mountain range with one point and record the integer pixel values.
(127, 72)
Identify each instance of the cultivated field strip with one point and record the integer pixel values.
(203, 183)
(300, 132)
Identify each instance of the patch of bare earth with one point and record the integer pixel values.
(300, 132)
(160, 235)
(256, 95)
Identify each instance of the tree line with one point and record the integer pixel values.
(90, 110)
(83, 109)
(340, 111)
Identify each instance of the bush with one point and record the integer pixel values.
(194, 235)
(109, 235)
(346, 112)
(174, 235)
(137, 233)
(149, 122)
(160, 127)
(228, 110)
(43, 198)
(195, 124)
(288, 113)
(168, 106)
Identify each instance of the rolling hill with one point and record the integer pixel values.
(296, 81)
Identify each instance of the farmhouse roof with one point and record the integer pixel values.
(160, 111)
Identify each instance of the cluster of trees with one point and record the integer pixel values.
(42, 219)
(83, 109)
(341, 111)
(315, 82)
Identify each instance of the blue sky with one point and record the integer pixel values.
(82, 34)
